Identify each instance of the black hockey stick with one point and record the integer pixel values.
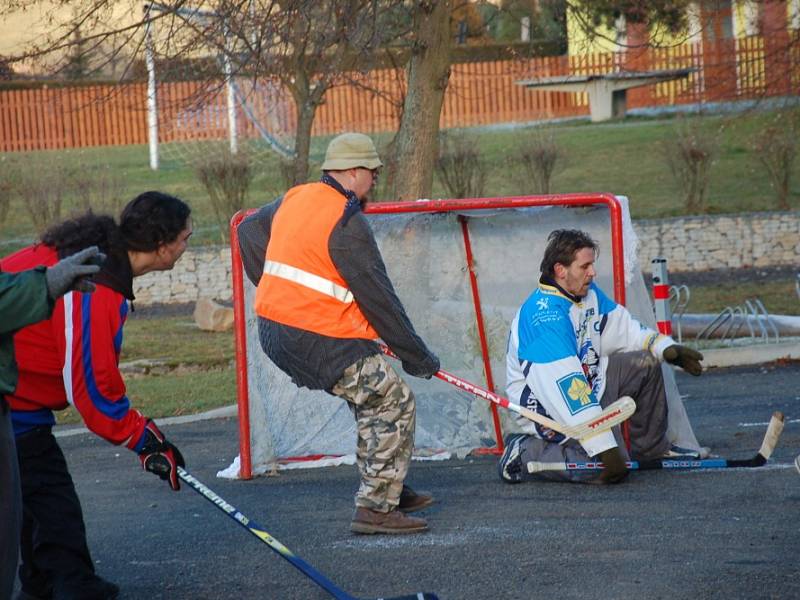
(774, 430)
(254, 528)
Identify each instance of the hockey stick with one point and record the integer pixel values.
(613, 414)
(254, 528)
(774, 430)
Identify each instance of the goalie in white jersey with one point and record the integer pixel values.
(572, 351)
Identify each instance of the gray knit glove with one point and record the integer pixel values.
(72, 272)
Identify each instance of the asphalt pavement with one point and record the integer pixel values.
(729, 533)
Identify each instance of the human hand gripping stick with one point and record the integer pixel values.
(160, 456)
(684, 357)
(614, 414)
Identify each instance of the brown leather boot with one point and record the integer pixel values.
(411, 501)
(366, 520)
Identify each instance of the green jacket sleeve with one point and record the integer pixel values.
(23, 299)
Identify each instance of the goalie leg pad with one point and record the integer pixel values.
(522, 449)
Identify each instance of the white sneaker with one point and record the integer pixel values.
(678, 453)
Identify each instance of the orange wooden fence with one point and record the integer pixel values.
(478, 94)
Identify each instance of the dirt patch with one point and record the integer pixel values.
(179, 309)
(154, 311)
(148, 367)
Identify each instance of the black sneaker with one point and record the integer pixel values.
(87, 588)
(23, 595)
(510, 466)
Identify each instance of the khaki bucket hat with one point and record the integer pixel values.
(351, 150)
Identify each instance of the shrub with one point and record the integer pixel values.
(460, 168)
(8, 176)
(690, 153)
(42, 187)
(227, 178)
(776, 147)
(539, 155)
(100, 190)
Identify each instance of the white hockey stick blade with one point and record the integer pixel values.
(614, 414)
(797, 463)
(774, 430)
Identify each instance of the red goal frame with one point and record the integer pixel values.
(420, 206)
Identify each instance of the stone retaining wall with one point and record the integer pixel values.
(688, 244)
(203, 272)
(722, 241)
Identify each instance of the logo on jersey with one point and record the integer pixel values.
(576, 392)
(541, 303)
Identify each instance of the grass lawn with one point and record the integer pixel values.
(620, 157)
(175, 341)
(779, 296)
(194, 369)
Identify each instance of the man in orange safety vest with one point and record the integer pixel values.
(323, 298)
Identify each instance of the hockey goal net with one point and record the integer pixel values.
(462, 268)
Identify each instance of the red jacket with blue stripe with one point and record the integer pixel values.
(73, 357)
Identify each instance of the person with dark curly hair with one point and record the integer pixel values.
(72, 359)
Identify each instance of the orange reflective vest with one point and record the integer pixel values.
(300, 285)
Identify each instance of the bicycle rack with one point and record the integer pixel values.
(731, 333)
(759, 311)
(752, 310)
(679, 296)
(725, 315)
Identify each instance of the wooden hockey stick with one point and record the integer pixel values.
(774, 430)
(614, 414)
(258, 531)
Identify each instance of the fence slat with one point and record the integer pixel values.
(478, 93)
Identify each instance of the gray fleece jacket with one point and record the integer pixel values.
(317, 361)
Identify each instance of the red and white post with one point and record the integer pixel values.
(661, 295)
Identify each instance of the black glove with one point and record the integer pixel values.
(684, 357)
(160, 456)
(614, 468)
(72, 273)
(426, 370)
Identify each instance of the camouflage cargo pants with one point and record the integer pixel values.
(385, 413)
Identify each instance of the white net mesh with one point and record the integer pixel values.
(205, 100)
(200, 118)
(426, 260)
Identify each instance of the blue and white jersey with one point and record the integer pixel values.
(558, 351)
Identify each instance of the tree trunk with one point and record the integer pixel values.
(306, 108)
(302, 143)
(416, 144)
